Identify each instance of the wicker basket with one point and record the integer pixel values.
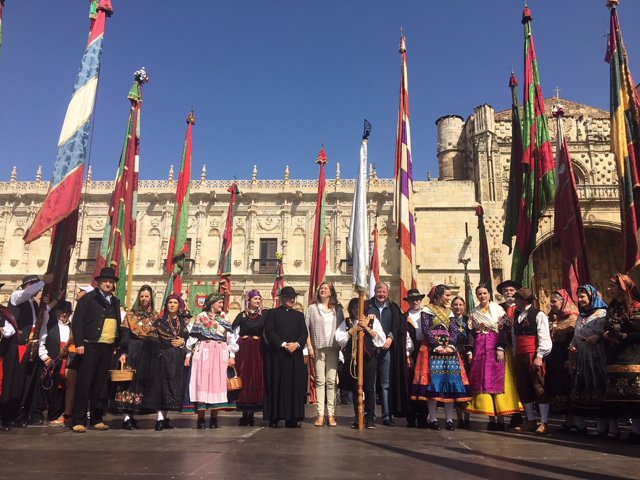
(235, 382)
(122, 374)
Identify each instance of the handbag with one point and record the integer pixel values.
(233, 382)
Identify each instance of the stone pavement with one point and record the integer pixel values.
(309, 452)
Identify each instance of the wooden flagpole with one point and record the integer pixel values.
(128, 304)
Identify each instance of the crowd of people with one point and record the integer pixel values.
(502, 361)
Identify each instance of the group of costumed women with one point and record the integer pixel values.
(181, 363)
(592, 370)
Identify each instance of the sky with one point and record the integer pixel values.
(272, 81)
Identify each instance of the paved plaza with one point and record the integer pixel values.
(233, 452)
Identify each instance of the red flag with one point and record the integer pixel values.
(568, 231)
(319, 254)
(278, 283)
(224, 265)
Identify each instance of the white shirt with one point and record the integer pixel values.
(342, 334)
(65, 330)
(26, 295)
(414, 318)
(8, 330)
(544, 337)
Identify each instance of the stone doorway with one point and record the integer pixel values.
(604, 251)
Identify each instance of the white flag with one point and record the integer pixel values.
(358, 242)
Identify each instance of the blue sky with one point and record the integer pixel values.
(271, 81)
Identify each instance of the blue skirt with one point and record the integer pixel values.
(447, 381)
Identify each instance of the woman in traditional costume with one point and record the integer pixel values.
(248, 328)
(588, 363)
(173, 334)
(490, 377)
(212, 350)
(622, 335)
(562, 322)
(139, 351)
(322, 318)
(439, 375)
(464, 344)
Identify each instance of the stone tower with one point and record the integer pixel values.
(451, 148)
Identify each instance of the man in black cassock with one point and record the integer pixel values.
(11, 388)
(286, 375)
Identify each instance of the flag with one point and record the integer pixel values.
(63, 196)
(469, 293)
(625, 140)
(278, 283)
(1, 12)
(224, 265)
(120, 230)
(319, 254)
(358, 240)
(483, 251)
(374, 276)
(539, 185)
(403, 189)
(568, 231)
(177, 251)
(198, 294)
(514, 195)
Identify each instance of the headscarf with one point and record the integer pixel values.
(595, 300)
(250, 295)
(628, 286)
(136, 304)
(174, 296)
(568, 308)
(211, 299)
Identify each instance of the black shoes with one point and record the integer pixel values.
(434, 425)
(450, 426)
(292, 424)
(213, 422)
(388, 422)
(127, 424)
(247, 419)
(274, 424)
(166, 424)
(159, 426)
(370, 424)
(201, 425)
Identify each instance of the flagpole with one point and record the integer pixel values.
(361, 300)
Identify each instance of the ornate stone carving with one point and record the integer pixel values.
(297, 263)
(268, 224)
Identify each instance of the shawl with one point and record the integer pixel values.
(487, 321)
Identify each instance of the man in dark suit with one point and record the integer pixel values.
(96, 326)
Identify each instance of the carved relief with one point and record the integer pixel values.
(268, 224)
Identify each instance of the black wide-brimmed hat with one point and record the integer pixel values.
(29, 279)
(525, 294)
(414, 294)
(107, 272)
(508, 283)
(288, 292)
(65, 307)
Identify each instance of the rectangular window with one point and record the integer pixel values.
(268, 262)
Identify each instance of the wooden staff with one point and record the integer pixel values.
(361, 299)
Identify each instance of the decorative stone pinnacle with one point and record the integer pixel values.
(203, 175)
(14, 174)
(39, 174)
(337, 170)
(254, 174)
(171, 178)
(370, 170)
(90, 174)
(286, 173)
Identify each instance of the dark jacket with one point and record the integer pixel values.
(89, 315)
(398, 378)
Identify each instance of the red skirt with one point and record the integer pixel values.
(250, 366)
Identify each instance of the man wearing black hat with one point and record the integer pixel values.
(54, 338)
(532, 342)
(96, 326)
(416, 410)
(508, 290)
(25, 303)
(286, 378)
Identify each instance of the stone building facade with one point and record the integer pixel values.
(277, 216)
